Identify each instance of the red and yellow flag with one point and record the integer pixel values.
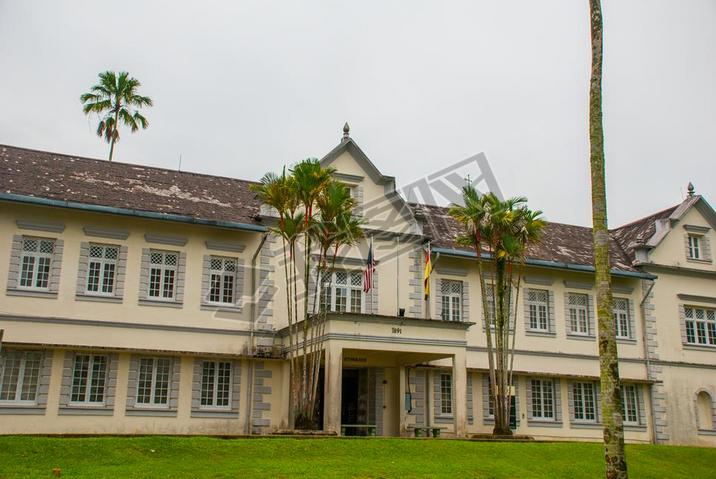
(426, 273)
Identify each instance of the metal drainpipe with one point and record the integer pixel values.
(648, 360)
(254, 301)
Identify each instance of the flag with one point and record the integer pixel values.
(426, 273)
(369, 269)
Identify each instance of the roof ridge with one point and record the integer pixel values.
(97, 160)
(644, 218)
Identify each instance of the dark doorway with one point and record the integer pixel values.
(318, 411)
(349, 396)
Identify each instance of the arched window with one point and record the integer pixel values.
(705, 411)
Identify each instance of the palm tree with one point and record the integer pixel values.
(500, 231)
(614, 456)
(115, 99)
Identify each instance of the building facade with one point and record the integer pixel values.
(138, 300)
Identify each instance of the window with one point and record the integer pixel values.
(446, 393)
(451, 300)
(538, 305)
(162, 274)
(585, 401)
(622, 323)
(153, 382)
(694, 247)
(19, 375)
(223, 278)
(102, 268)
(578, 314)
(35, 263)
(630, 404)
(344, 293)
(490, 295)
(89, 377)
(215, 384)
(700, 326)
(542, 399)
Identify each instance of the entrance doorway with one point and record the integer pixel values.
(358, 403)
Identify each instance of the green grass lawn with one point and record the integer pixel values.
(161, 456)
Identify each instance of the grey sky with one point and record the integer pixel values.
(241, 88)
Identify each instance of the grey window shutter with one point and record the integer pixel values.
(110, 390)
(56, 266)
(312, 278)
(525, 300)
(181, 277)
(82, 268)
(43, 387)
(551, 312)
(640, 404)
(438, 298)
(590, 314)
(557, 388)
(528, 398)
(175, 383)
(239, 286)
(374, 293)
(437, 397)
(144, 274)
(13, 276)
(196, 385)
(486, 416)
(570, 399)
(121, 272)
(682, 323)
(358, 197)
(465, 301)
(205, 278)
(132, 381)
(632, 319)
(236, 385)
(567, 323)
(66, 387)
(470, 402)
(706, 248)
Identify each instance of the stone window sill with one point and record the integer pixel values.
(581, 337)
(635, 427)
(215, 414)
(163, 304)
(32, 293)
(544, 423)
(707, 432)
(585, 425)
(98, 298)
(221, 308)
(150, 411)
(699, 347)
(545, 334)
(80, 410)
(22, 409)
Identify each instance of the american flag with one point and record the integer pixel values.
(369, 269)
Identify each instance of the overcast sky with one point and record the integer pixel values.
(243, 87)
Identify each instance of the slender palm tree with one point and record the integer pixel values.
(614, 455)
(115, 99)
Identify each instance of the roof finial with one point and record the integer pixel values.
(691, 189)
(346, 131)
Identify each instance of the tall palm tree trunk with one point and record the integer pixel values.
(114, 132)
(614, 457)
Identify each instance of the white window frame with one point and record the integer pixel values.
(630, 397)
(451, 300)
(226, 273)
(34, 258)
(545, 397)
(695, 247)
(587, 391)
(107, 266)
(575, 314)
(491, 303)
(622, 318)
(215, 386)
(164, 270)
(700, 327)
(446, 389)
(153, 382)
(20, 383)
(90, 380)
(348, 288)
(538, 310)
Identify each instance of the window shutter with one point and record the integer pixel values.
(374, 293)
(66, 387)
(567, 324)
(132, 381)
(144, 275)
(110, 390)
(438, 298)
(557, 388)
(236, 385)
(174, 384)
(470, 405)
(82, 268)
(590, 314)
(640, 404)
(437, 397)
(56, 266)
(528, 398)
(526, 301)
(551, 312)
(44, 379)
(570, 400)
(14, 270)
(632, 319)
(358, 197)
(706, 248)
(196, 385)
(205, 278)
(465, 301)
(239, 286)
(487, 418)
(181, 277)
(682, 323)
(312, 278)
(121, 272)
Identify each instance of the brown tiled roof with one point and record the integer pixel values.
(121, 185)
(637, 233)
(560, 243)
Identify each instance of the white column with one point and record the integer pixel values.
(332, 390)
(401, 401)
(459, 380)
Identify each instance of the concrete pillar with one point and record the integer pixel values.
(401, 401)
(285, 420)
(332, 389)
(459, 380)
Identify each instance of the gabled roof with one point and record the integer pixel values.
(347, 144)
(85, 181)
